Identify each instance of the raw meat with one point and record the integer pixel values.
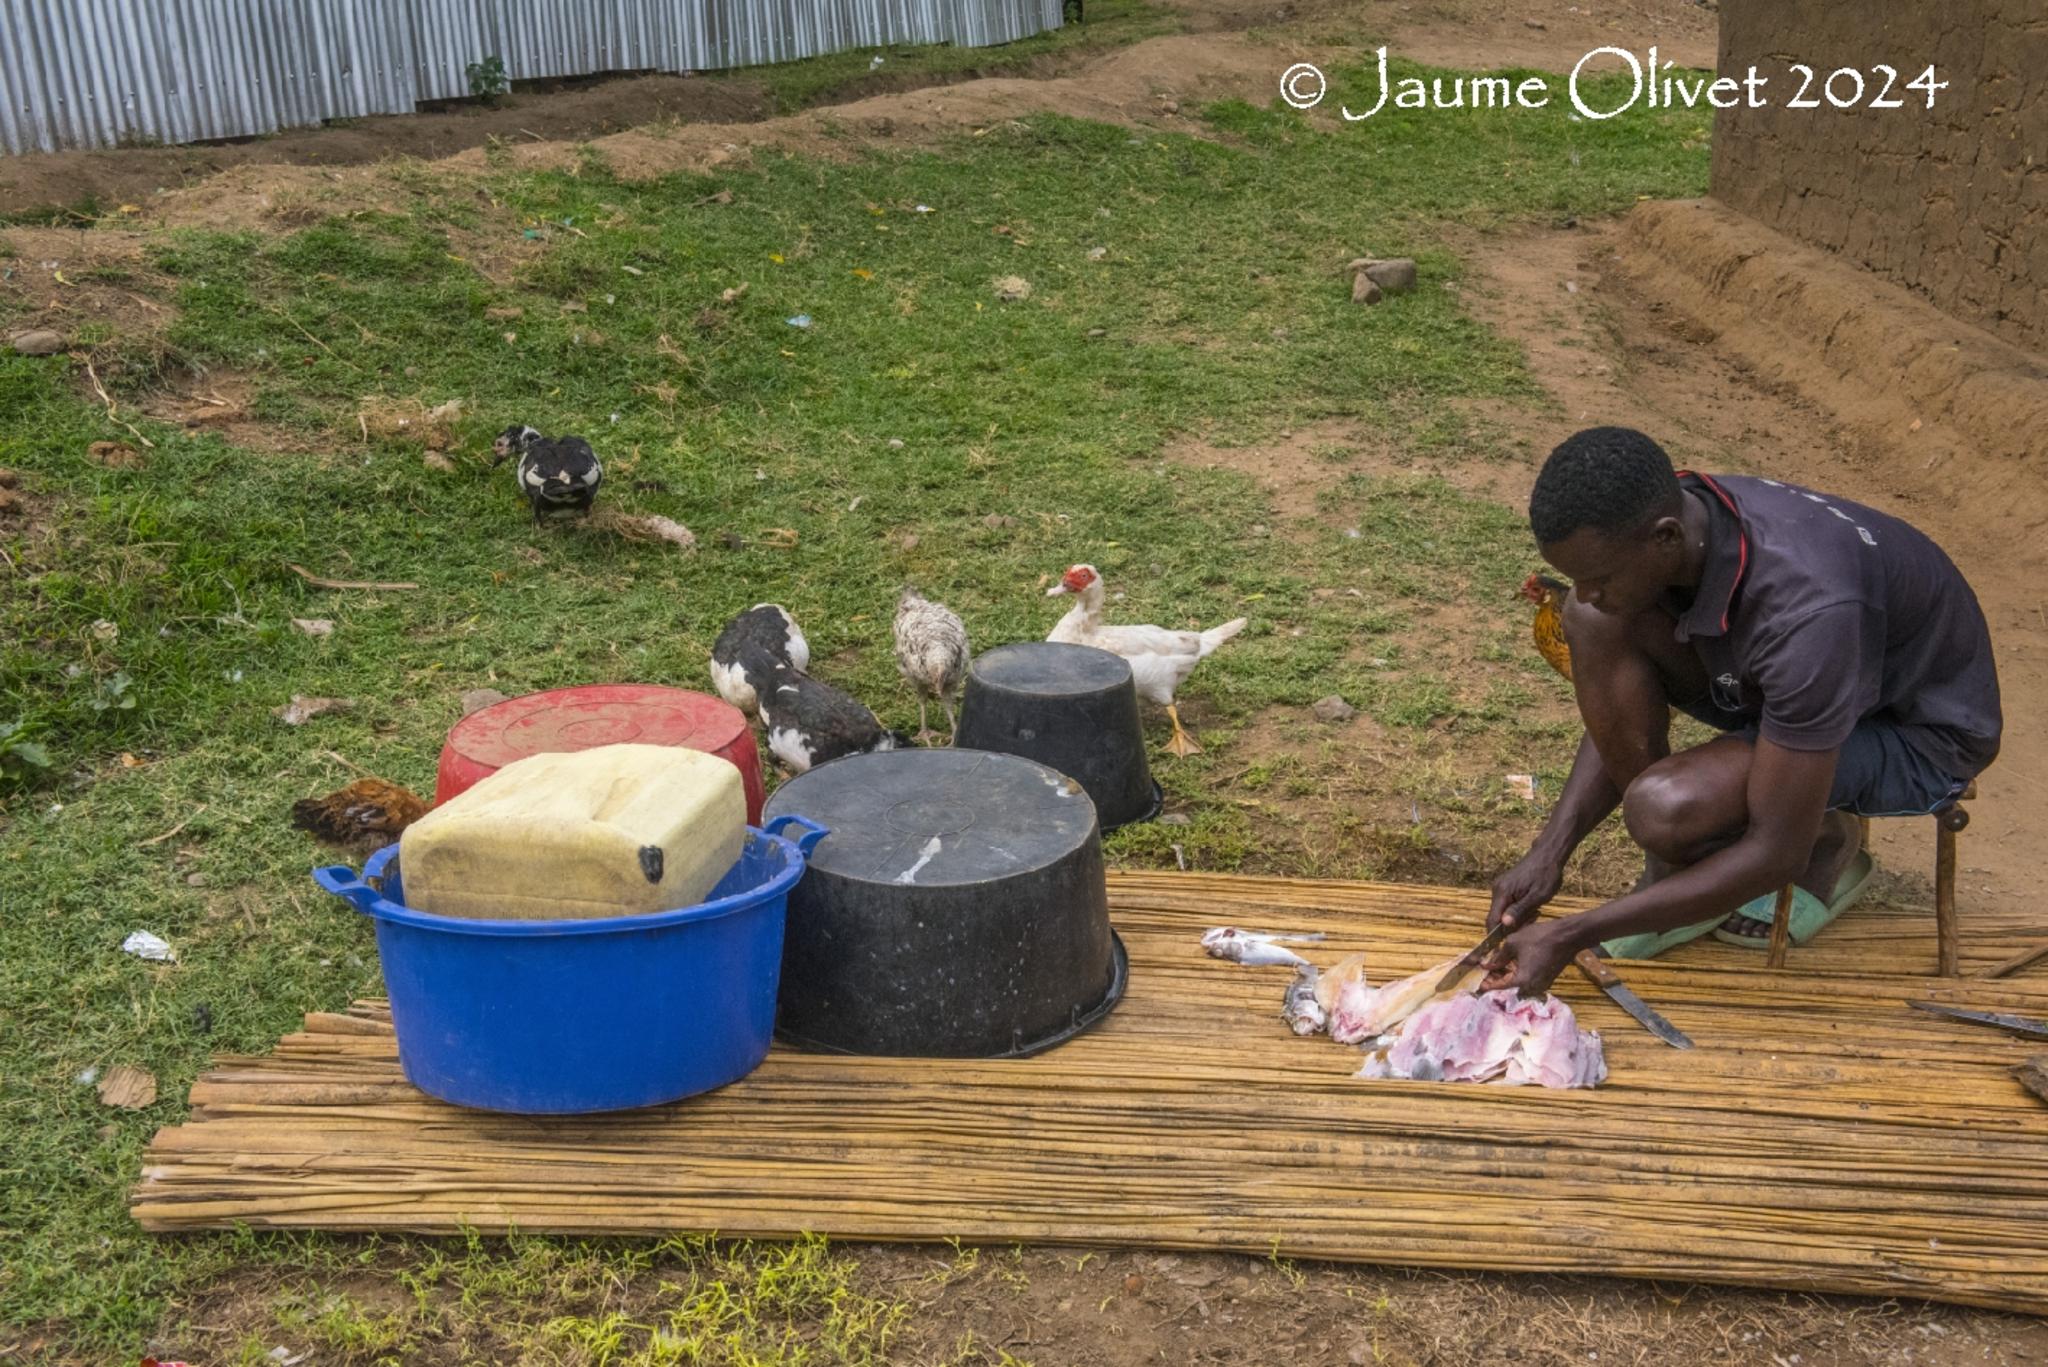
(1359, 1011)
(1464, 1038)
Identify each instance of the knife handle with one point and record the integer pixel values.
(1595, 968)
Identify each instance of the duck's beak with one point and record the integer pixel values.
(1056, 590)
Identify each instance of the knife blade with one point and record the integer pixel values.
(2026, 1027)
(1477, 952)
(1608, 981)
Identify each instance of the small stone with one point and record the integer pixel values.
(37, 342)
(1169, 106)
(1098, 332)
(1536, 24)
(895, 443)
(1097, 253)
(1176, 819)
(997, 521)
(314, 626)
(1133, 1284)
(477, 699)
(1013, 289)
(1363, 290)
(1396, 276)
(1333, 709)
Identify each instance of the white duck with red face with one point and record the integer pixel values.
(1161, 658)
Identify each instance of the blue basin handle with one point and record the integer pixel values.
(806, 842)
(341, 880)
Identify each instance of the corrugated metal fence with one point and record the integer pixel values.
(96, 73)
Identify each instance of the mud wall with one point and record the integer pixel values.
(1952, 201)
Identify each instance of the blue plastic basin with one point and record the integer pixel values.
(566, 1017)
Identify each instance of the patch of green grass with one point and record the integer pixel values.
(853, 73)
(1216, 313)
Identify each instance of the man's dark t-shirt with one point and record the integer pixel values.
(1813, 613)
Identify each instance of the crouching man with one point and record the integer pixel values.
(1840, 653)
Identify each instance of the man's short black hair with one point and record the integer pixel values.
(1612, 479)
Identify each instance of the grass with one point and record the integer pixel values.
(853, 74)
(1214, 312)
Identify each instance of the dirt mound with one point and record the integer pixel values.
(544, 111)
(1131, 85)
(1965, 414)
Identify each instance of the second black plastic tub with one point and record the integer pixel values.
(1074, 708)
(957, 910)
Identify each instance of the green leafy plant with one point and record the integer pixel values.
(488, 79)
(21, 756)
(116, 693)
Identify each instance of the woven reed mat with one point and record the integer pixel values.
(1821, 1136)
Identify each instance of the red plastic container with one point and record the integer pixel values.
(563, 720)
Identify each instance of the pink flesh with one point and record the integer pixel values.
(1359, 1012)
(1497, 1035)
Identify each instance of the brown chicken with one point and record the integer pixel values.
(1548, 595)
(363, 817)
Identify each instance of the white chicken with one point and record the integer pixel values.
(1160, 658)
(932, 653)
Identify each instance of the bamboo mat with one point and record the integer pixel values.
(1822, 1136)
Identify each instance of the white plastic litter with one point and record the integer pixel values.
(144, 945)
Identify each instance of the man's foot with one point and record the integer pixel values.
(1841, 835)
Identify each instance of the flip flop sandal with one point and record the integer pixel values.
(1810, 916)
(1650, 944)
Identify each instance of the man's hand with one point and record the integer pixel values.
(1531, 958)
(1521, 892)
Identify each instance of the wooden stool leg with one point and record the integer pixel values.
(1781, 926)
(1947, 938)
(1863, 837)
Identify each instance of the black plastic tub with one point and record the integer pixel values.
(1072, 708)
(957, 910)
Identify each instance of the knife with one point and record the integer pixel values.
(2026, 1027)
(1478, 952)
(1607, 981)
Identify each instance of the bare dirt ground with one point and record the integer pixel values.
(1604, 352)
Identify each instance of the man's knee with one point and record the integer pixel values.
(1663, 814)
